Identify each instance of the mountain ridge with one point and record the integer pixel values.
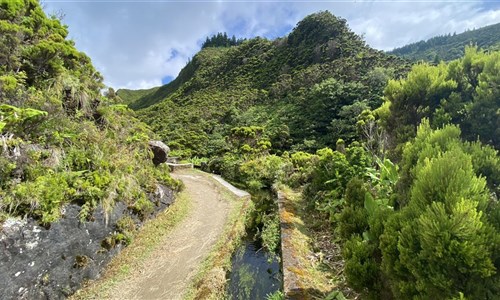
(449, 47)
(263, 82)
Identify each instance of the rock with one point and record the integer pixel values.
(25, 155)
(52, 263)
(164, 195)
(43, 259)
(160, 151)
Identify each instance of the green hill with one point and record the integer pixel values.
(395, 166)
(294, 87)
(451, 46)
(130, 96)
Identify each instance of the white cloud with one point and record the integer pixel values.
(132, 43)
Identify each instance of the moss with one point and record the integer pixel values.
(81, 261)
(125, 224)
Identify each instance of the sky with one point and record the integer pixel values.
(139, 44)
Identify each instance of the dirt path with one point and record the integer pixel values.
(167, 274)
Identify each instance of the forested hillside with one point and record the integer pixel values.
(400, 163)
(280, 85)
(396, 165)
(451, 46)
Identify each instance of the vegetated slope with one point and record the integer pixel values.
(138, 99)
(61, 140)
(144, 98)
(424, 225)
(449, 47)
(133, 95)
(67, 154)
(293, 86)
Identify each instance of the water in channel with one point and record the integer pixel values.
(255, 274)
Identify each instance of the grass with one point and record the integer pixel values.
(145, 241)
(313, 275)
(210, 281)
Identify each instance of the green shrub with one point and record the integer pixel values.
(442, 243)
(270, 235)
(361, 269)
(125, 224)
(143, 207)
(42, 198)
(278, 295)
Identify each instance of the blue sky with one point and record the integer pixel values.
(140, 44)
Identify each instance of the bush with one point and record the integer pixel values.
(270, 234)
(361, 269)
(442, 243)
(41, 198)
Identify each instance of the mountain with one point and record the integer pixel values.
(395, 166)
(294, 87)
(133, 95)
(414, 164)
(449, 47)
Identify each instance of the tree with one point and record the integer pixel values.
(442, 241)
(484, 111)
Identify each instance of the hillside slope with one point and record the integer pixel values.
(279, 85)
(130, 96)
(76, 175)
(450, 47)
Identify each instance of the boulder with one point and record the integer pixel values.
(160, 151)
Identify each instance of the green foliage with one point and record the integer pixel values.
(416, 97)
(270, 234)
(61, 141)
(462, 92)
(221, 40)
(331, 173)
(278, 295)
(427, 227)
(41, 198)
(361, 269)
(276, 85)
(442, 238)
(441, 242)
(450, 46)
(143, 207)
(18, 119)
(262, 172)
(353, 219)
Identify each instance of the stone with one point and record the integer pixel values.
(52, 263)
(160, 151)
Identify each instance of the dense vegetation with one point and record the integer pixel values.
(221, 40)
(451, 46)
(280, 85)
(61, 140)
(401, 163)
